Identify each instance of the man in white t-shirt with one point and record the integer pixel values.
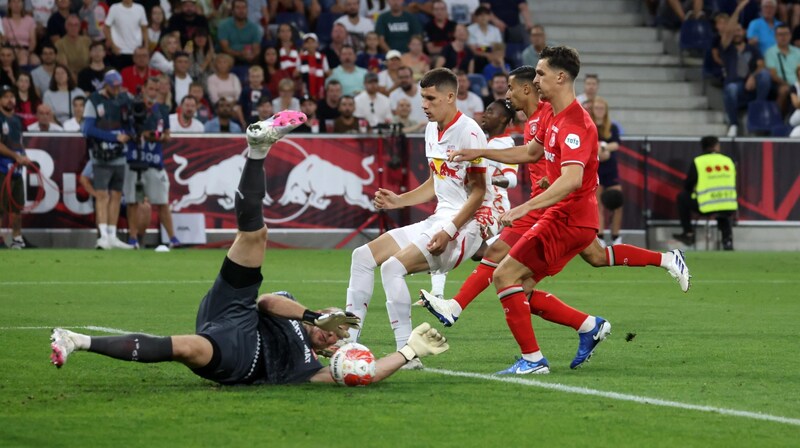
(180, 78)
(372, 105)
(78, 106)
(41, 10)
(468, 103)
(357, 26)
(183, 119)
(441, 242)
(408, 91)
(483, 34)
(125, 29)
(45, 121)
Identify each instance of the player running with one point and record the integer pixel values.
(442, 241)
(242, 338)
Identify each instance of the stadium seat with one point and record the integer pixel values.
(296, 19)
(782, 130)
(726, 6)
(476, 83)
(325, 26)
(696, 35)
(514, 53)
(763, 116)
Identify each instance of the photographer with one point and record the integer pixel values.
(108, 133)
(145, 175)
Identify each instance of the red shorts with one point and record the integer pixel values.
(550, 245)
(510, 235)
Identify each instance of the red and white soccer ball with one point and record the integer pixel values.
(353, 365)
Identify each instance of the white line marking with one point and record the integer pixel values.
(82, 327)
(618, 396)
(412, 280)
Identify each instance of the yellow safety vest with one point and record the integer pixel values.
(716, 183)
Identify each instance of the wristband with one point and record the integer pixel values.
(310, 317)
(407, 353)
(450, 229)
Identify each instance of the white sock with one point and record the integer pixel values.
(455, 307)
(437, 284)
(666, 259)
(112, 231)
(398, 299)
(82, 342)
(533, 357)
(103, 228)
(587, 325)
(362, 282)
(258, 154)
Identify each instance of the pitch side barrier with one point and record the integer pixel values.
(323, 184)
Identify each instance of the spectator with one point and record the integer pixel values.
(203, 109)
(672, 13)
(20, 33)
(181, 80)
(286, 99)
(372, 8)
(745, 73)
(107, 140)
(328, 107)
(27, 100)
(41, 75)
(457, 54)
(222, 82)
(388, 79)
(538, 39)
(9, 68)
(136, 75)
(347, 123)
(264, 109)
(287, 52)
(78, 106)
(348, 74)
(714, 69)
(157, 24)
(56, 24)
(90, 78)
(372, 105)
(355, 24)
(441, 30)
(482, 34)
(62, 90)
(238, 36)
(258, 12)
(467, 102)
(371, 58)
(41, 10)
(409, 91)
(498, 86)
(278, 6)
(252, 94)
(163, 59)
(183, 121)
(73, 48)
(223, 122)
(93, 17)
(415, 59)
(273, 73)
(506, 15)
(782, 61)
(761, 31)
(313, 66)
(201, 53)
(591, 84)
(188, 22)
(339, 38)
(126, 30)
(396, 27)
(11, 152)
(461, 10)
(496, 62)
(794, 97)
(165, 92)
(709, 188)
(308, 106)
(607, 171)
(403, 117)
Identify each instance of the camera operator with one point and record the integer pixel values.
(145, 175)
(108, 133)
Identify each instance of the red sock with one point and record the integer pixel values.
(627, 255)
(518, 317)
(550, 308)
(476, 283)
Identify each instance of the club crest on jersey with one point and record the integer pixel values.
(450, 149)
(534, 126)
(552, 139)
(573, 141)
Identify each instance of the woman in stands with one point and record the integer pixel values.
(27, 99)
(201, 53)
(608, 133)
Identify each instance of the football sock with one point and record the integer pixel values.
(112, 230)
(81, 341)
(398, 299)
(476, 283)
(627, 255)
(239, 276)
(518, 318)
(666, 259)
(133, 347)
(249, 196)
(588, 325)
(362, 281)
(103, 228)
(550, 308)
(533, 357)
(437, 284)
(614, 237)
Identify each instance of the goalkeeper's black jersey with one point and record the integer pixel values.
(287, 355)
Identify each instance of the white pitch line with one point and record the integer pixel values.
(417, 280)
(618, 396)
(83, 327)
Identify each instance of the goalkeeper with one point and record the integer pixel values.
(242, 338)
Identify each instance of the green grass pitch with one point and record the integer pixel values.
(730, 343)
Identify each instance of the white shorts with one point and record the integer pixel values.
(156, 185)
(463, 246)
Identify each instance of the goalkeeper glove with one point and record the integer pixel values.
(335, 321)
(424, 341)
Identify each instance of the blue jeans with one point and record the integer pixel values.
(736, 97)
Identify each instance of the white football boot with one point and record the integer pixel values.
(263, 134)
(678, 269)
(62, 345)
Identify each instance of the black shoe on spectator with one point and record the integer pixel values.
(727, 245)
(685, 238)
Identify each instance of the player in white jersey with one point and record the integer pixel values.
(450, 235)
(499, 177)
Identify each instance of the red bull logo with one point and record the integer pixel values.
(441, 169)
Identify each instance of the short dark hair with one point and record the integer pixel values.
(708, 143)
(500, 75)
(187, 98)
(47, 45)
(524, 73)
(440, 78)
(564, 58)
(783, 25)
(508, 111)
(97, 43)
(79, 98)
(480, 10)
(592, 76)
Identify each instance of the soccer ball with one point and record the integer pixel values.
(353, 365)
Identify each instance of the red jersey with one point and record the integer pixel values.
(536, 170)
(570, 137)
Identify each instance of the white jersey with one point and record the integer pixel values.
(449, 178)
(498, 195)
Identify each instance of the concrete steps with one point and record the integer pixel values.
(605, 17)
(592, 58)
(645, 88)
(589, 46)
(672, 130)
(582, 7)
(566, 34)
(657, 102)
(625, 116)
(634, 73)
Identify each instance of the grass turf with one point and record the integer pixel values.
(729, 343)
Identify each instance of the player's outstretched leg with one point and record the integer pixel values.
(129, 347)
(263, 134)
(633, 256)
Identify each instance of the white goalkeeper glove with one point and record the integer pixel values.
(335, 321)
(424, 341)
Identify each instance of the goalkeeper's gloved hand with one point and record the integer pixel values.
(424, 341)
(335, 321)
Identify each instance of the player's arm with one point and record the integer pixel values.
(388, 200)
(508, 178)
(21, 159)
(529, 153)
(280, 306)
(570, 180)
(476, 179)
